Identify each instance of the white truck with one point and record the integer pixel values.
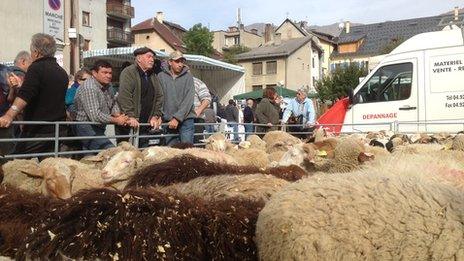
(418, 87)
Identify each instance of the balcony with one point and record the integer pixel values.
(120, 10)
(119, 36)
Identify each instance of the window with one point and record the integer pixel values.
(314, 64)
(271, 85)
(256, 87)
(257, 68)
(237, 40)
(86, 45)
(271, 67)
(85, 18)
(389, 83)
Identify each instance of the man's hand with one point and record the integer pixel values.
(14, 81)
(173, 123)
(120, 120)
(198, 112)
(5, 121)
(270, 124)
(155, 122)
(132, 122)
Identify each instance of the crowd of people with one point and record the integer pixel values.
(151, 92)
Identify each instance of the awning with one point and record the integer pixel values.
(123, 54)
(282, 91)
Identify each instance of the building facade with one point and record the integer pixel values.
(119, 15)
(236, 36)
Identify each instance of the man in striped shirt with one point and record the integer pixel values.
(95, 102)
(201, 101)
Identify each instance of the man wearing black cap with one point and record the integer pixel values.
(140, 94)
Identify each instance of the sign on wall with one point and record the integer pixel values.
(54, 18)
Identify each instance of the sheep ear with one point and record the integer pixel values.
(363, 157)
(33, 171)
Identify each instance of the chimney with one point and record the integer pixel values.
(160, 17)
(254, 31)
(268, 33)
(456, 13)
(347, 27)
(277, 39)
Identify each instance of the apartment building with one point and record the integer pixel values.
(119, 15)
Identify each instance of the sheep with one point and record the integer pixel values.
(217, 142)
(256, 142)
(417, 148)
(252, 157)
(257, 187)
(101, 159)
(141, 225)
(396, 140)
(19, 210)
(120, 168)
(188, 167)
(275, 157)
(157, 154)
(362, 216)
(279, 141)
(458, 142)
(299, 154)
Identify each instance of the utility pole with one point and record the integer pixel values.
(75, 43)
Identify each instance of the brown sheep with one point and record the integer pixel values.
(144, 225)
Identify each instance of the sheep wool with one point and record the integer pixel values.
(458, 142)
(256, 142)
(259, 187)
(362, 216)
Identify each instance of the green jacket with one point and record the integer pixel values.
(267, 112)
(129, 93)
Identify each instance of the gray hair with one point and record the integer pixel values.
(23, 55)
(44, 44)
(304, 91)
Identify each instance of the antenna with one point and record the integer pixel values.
(287, 13)
(239, 18)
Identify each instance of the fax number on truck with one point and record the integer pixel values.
(456, 104)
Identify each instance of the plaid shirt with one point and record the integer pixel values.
(201, 93)
(95, 102)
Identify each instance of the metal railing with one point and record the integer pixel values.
(118, 35)
(134, 136)
(120, 10)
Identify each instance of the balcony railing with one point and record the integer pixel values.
(119, 36)
(120, 10)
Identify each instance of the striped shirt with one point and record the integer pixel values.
(201, 93)
(95, 102)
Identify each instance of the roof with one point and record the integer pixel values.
(282, 91)
(294, 24)
(163, 31)
(284, 49)
(377, 36)
(127, 54)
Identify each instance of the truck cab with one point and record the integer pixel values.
(418, 87)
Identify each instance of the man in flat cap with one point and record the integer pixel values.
(140, 94)
(179, 92)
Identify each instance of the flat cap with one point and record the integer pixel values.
(176, 55)
(143, 50)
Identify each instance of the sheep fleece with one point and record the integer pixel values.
(368, 217)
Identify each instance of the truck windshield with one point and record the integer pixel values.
(389, 83)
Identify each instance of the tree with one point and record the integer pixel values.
(199, 40)
(230, 53)
(338, 83)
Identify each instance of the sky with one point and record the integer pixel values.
(219, 14)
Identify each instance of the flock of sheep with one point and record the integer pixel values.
(362, 196)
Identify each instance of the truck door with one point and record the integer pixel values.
(389, 95)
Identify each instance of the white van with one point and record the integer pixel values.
(417, 87)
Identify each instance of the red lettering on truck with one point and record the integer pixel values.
(392, 115)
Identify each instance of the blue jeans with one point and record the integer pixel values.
(93, 130)
(249, 129)
(235, 130)
(186, 130)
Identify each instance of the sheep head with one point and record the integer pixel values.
(56, 185)
(121, 166)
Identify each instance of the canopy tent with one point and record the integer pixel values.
(282, 91)
(223, 79)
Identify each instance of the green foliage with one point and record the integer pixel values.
(230, 53)
(199, 40)
(339, 82)
(391, 45)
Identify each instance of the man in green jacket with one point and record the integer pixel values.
(140, 94)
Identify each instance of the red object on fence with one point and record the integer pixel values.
(335, 115)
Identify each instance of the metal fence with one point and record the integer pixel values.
(134, 136)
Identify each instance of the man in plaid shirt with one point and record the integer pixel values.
(95, 102)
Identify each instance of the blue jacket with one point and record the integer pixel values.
(294, 107)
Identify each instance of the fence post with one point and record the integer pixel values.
(57, 136)
(136, 138)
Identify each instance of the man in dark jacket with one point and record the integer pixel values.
(232, 118)
(41, 96)
(248, 117)
(179, 91)
(140, 94)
